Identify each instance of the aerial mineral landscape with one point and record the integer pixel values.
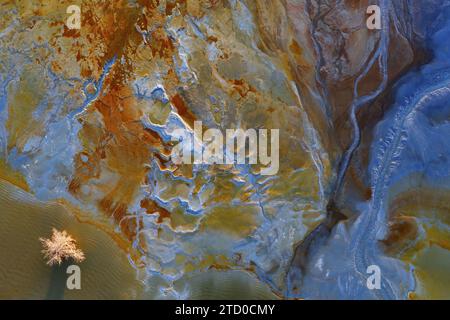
(225, 149)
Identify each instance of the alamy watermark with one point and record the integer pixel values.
(74, 20)
(236, 146)
(374, 20)
(374, 280)
(74, 280)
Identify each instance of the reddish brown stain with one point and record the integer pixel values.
(70, 33)
(402, 230)
(242, 87)
(212, 39)
(170, 6)
(152, 208)
(160, 44)
(183, 110)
